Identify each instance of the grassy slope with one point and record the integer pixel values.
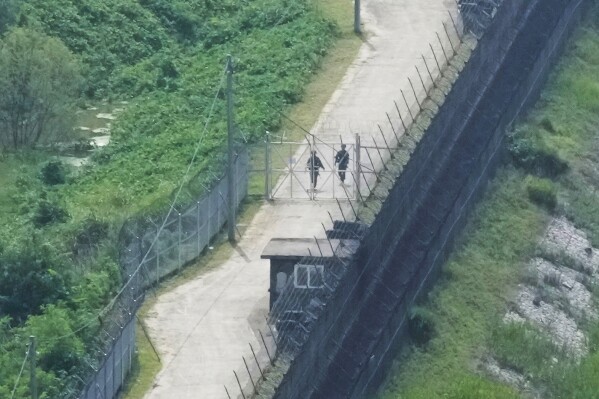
(473, 294)
(306, 112)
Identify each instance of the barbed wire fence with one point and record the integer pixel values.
(157, 248)
(380, 162)
(183, 236)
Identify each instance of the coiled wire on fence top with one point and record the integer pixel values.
(478, 14)
(296, 310)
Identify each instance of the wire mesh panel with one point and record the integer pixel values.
(302, 170)
(162, 246)
(153, 248)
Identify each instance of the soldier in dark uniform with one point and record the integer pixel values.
(342, 158)
(313, 165)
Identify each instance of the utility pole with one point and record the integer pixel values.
(357, 28)
(231, 161)
(32, 366)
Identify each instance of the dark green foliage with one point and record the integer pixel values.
(58, 355)
(421, 325)
(40, 82)
(8, 13)
(107, 34)
(532, 154)
(31, 277)
(48, 212)
(53, 173)
(542, 192)
(90, 235)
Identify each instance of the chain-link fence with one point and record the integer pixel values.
(152, 249)
(111, 375)
(162, 247)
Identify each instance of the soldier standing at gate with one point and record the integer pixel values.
(313, 165)
(342, 158)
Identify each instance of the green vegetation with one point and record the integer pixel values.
(60, 224)
(542, 192)
(472, 293)
(555, 169)
(39, 79)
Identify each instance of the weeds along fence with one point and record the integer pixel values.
(151, 249)
(184, 235)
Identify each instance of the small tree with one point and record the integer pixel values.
(40, 79)
(8, 12)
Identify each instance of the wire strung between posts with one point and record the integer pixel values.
(171, 208)
(292, 334)
(12, 395)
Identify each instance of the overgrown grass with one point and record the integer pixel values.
(476, 284)
(319, 90)
(479, 280)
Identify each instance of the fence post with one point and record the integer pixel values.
(267, 167)
(198, 228)
(358, 164)
(357, 28)
(231, 171)
(157, 255)
(179, 228)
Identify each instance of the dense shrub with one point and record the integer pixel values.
(542, 192)
(421, 325)
(31, 277)
(48, 212)
(53, 173)
(532, 154)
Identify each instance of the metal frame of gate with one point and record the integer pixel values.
(292, 181)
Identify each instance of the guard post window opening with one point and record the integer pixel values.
(308, 276)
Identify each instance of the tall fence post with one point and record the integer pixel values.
(267, 170)
(179, 228)
(231, 170)
(198, 215)
(157, 250)
(358, 164)
(357, 28)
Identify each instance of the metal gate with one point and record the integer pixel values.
(288, 174)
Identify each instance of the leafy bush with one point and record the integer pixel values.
(421, 325)
(47, 213)
(542, 192)
(40, 82)
(58, 355)
(8, 13)
(532, 154)
(31, 278)
(53, 173)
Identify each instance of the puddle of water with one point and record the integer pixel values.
(94, 124)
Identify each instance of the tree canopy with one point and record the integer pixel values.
(40, 80)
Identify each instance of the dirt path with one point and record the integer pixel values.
(202, 328)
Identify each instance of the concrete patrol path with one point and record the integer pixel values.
(202, 328)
